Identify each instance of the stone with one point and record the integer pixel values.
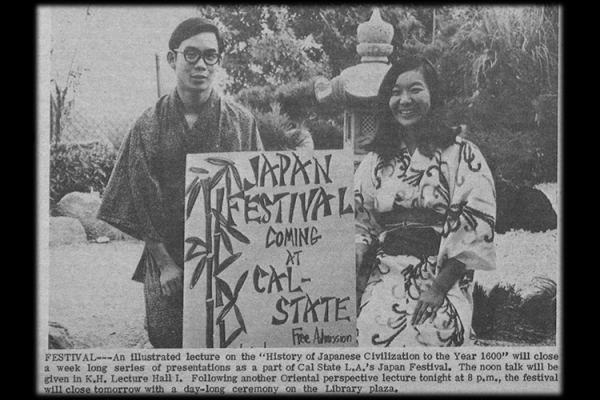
(58, 336)
(523, 207)
(84, 207)
(66, 230)
(536, 213)
(506, 193)
(374, 39)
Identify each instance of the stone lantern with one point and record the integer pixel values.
(355, 89)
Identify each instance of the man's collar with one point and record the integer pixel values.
(211, 101)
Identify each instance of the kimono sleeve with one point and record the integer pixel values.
(132, 199)
(468, 231)
(366, 226)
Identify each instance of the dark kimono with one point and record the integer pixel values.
(145, 195)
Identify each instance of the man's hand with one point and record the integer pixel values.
(171, 279)
(171, 275)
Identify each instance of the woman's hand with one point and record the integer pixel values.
(432, 299)
(429, 303)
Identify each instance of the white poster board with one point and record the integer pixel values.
(269, 250)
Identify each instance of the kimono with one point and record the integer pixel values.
(415, 212)
(145, 194)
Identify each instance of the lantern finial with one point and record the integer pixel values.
(374, 39)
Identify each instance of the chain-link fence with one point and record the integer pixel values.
(74, 125)
(83, 150)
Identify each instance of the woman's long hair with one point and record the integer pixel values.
(433, 132)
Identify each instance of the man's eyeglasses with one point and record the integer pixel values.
(192, 56)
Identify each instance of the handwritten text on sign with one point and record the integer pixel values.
(269, 250)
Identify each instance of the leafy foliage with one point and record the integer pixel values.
(326, 134)
(497, 48)
(288, 107)
(527, 157)
(263, 49)
(334, 29)
(79, 168)
(272, 126)
(500, 69)
(280, 58)
(499, 66)
(292, 106)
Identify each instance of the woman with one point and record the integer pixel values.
(425, 215)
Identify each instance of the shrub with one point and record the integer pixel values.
(499, 66)
(79, 168)
(503, 314)
(272, 126)
(540, 307)
(298, 100)
(497, 49)
(495, 314)
(256, 98)
(289, 106)
(528, 157)
(326, 134)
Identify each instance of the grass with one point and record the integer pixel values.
(528, 30)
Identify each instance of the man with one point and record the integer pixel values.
(145, 194)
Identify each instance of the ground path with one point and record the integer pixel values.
(93, 296)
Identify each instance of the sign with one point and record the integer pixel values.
(269, 250)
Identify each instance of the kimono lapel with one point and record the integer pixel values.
(204, 135)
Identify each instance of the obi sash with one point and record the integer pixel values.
(412, 241)
(411, 232)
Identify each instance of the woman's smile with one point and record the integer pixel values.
(407, 112)
(411, 99)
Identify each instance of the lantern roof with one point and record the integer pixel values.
(358, 85)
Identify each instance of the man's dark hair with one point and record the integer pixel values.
(434, 133)
(191, 27)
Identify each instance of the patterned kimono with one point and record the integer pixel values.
(415, 212)
(146, 192)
